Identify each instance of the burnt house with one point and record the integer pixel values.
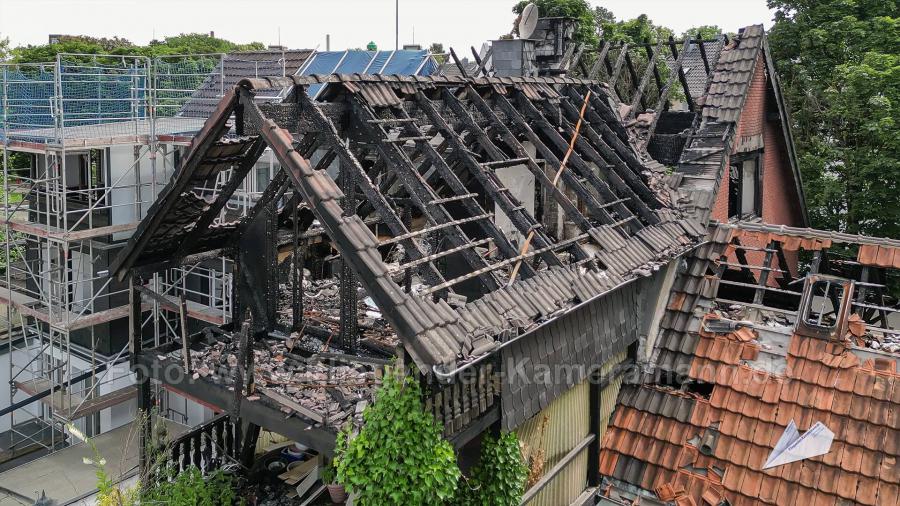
(523, 241)
(394, 187)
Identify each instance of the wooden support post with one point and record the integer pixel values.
(144, 402)
(185, 348)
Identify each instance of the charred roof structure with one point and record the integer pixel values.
(408, 168)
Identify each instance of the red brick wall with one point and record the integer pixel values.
(779, 197)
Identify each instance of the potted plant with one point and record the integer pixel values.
(336, 491)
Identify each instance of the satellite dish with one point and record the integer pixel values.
(528, 21)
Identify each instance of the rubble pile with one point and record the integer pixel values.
(321, 308)
(328, 392)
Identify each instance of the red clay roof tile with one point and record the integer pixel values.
(688, 456)
(699, 416)
(885, 366)
(855, 432)
(732, 353)
(665, 492)
(805, 496)
(865, 383)
(723, 448)
(824, 500)
(791, 472)
(880, 413)
(871, 463)
(669, 457)
(735, 402)
(649, 477)
(719, 396)
(852, 458)
(785, 413)
(768, 490)
(725, 375)
(859, 406)
(824, 399)
(772, 390)
(758, 384)
(890, 469)
(816, 351)
(834, 455)
(841, 402)
(740, 452)
(787, 493)
(767, 412)
(888, 493)
(703, 346)
(746, 427)
(729, 424)
(750, 352)
(751, 483)
(827, 479)
(716, 349)
(866, 491)
(794, 349)
(733, 478)
(868, 254)
(685, 501)
(744, 334)
(608, 460)
(763, 433)
(758, 456)
(846, 378)
(790, 390)
(810, 471)
(846, 486)
(752, 407)
(806, 397)
(711, 497)
(883, 386)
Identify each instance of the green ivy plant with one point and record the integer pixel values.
(399, 456)
(499, 477)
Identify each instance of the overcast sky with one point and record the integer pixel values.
(351, 23)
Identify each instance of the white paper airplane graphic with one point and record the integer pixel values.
(793, 447)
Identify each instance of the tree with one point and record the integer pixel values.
(839, 63)
(437, 50)
(707, 32)
(580, 10)
(4, 48)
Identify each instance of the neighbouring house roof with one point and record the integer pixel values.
(626, 226)
(694, 66)
(234, 67)
(760, 369)
(706, 153)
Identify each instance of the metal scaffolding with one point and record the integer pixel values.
(87, 142)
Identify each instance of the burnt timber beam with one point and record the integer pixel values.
(351, 236)
(349, 329)
(375, 197)
(594, 72)
(625, 178)
(214, 128)
(514, 210)
(634, 80)
(459, 65)
(590, 202)
(510, 139)
(617, 68)
(456, 186)
(651, 56)
(681, 76)
(135, 344)
(702, 45)
(611, 200)
(420, 192)
(664, 94)
(645, 80)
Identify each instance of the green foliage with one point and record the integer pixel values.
(4, 48)
(839, 63)
(707, 32)
(638, 30)
(399, 456)
(191, 488)
(191, 43)
(499, 478)
(586, 32)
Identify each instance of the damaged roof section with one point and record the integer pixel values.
(769, 326)
(424, 167)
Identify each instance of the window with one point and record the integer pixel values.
(744, 186)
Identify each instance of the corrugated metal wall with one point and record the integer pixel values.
(567, 424)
